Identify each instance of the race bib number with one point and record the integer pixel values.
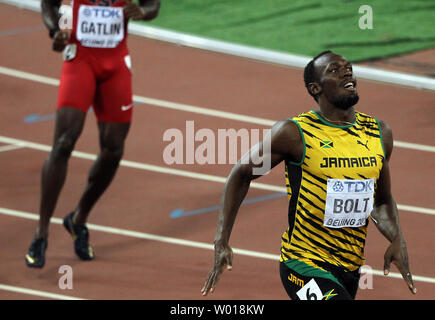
(348, 202)
(100, 27)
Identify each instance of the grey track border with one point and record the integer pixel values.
(281, 58)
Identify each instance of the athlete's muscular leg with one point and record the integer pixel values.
(112, 137)
(69, 125)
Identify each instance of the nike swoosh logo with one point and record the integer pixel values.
(125, 108)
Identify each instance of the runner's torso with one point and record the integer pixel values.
(331, 193)
(99, 24)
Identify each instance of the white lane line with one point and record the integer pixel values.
(414, 146)
(415, 209)
(178, 172)
(38, 293)
(151, 101)
(140, 235)
(204, 111)
(181, 242)
(260, 54)
(29, 76)
(192, 109)
(10, 147)
(399, 276)
(24, 4)
(143, 166)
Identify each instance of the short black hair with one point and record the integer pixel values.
(309, 74)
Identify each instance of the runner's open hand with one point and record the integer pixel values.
(223, 259)
(133, 11)
(60, 40)
(398, 254)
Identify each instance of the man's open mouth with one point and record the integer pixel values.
(350, 85)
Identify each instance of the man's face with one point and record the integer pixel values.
(335, 76)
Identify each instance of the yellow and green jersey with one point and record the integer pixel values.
(331, 191)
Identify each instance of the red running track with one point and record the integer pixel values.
(140, 200)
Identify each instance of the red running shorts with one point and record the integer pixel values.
(100, 78)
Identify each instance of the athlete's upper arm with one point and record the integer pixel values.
(383, 192)
(283, 142)
(387, 138)
(286, 141)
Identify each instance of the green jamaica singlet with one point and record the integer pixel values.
(331, 191)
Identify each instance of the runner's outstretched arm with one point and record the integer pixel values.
(283, 142)
(386, 218)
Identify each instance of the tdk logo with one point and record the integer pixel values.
(354, 186)
(338, 187)
(105, 13)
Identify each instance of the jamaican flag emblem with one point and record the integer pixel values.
(326, 144)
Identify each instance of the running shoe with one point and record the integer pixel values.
(35, 257)
(80, 235)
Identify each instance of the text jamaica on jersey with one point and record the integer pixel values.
(104, 2)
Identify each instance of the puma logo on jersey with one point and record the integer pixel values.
(365, 145)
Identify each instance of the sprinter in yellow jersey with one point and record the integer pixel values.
(337, 175)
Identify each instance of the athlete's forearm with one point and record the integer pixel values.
(386, 218)
(50, 14)
(235, 190)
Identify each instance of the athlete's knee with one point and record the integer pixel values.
(64, 145)
(113, 151)
(69, 125)
(112, 138)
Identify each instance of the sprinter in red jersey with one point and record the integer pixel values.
(96, 72)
